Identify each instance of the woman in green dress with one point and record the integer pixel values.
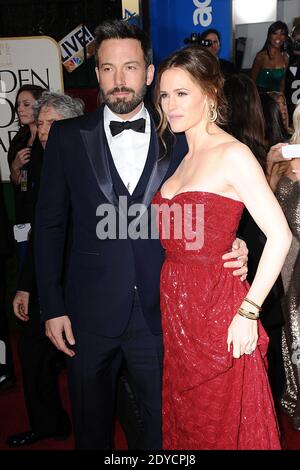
(270, 64)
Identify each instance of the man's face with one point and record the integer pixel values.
(122, 75)
(296, 38)
(46, 117)
(215, 47)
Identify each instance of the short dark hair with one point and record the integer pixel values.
(118, 29)
(205, 33)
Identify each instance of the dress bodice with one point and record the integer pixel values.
(270, 79)
(198, 222)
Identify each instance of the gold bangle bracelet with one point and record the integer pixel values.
(246, 314)
(252, 303)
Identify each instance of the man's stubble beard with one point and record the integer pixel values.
(121, 106)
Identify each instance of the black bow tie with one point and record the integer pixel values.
(116, 127)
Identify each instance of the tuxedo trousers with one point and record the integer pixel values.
(93, 373)
(6, 366)
(40, 364)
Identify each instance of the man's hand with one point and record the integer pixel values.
(59, 330)
(240, 252)
(20, 305)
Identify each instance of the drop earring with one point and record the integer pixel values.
(212, 113)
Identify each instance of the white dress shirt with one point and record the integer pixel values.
(129, 149)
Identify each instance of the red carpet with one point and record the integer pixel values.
(13, 418)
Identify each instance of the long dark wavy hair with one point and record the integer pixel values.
(204, 69)
(21, 138)
(275, 130)
(245, 118)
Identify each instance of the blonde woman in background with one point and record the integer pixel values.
(288, 195)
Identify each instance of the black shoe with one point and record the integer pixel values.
(7, 381)
(30, 437)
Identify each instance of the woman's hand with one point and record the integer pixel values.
(242, 334)
(275, 154)
(22, 157)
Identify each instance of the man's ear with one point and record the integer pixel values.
(150, 74)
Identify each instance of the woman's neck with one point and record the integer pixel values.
(275, 52)
(197, 136)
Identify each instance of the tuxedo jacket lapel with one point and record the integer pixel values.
(158, 173)
(159, 170)
(94, 139)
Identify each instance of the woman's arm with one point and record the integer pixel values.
(274, 157)
(286, 64)
(256, 66)
(248, 180)
(244, 174)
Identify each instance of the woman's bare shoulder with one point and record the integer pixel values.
(224, 139)
(261, 56)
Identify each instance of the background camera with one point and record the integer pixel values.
(196, 39)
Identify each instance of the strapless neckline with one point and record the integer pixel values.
(200, 192)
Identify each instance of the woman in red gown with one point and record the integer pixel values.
(216, 393)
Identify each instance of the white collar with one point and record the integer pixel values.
(108, 115)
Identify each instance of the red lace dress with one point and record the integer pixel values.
(210, 399)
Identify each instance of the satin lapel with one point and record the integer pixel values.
(94, 140)
(159, 170)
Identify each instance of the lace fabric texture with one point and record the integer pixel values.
(210, 399)
(288, 195)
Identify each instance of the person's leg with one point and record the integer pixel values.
(128, 410)
(92, 377)
(7, 376)
(143, 354)
(38, 357)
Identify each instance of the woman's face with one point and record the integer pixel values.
(277, 38)
(24, 107)
(283, 109)
(182, 100)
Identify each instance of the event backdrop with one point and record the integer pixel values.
(24, 60)
(174, 20)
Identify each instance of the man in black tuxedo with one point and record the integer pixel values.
(7, 375)
(39, 359)
(98, 164)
